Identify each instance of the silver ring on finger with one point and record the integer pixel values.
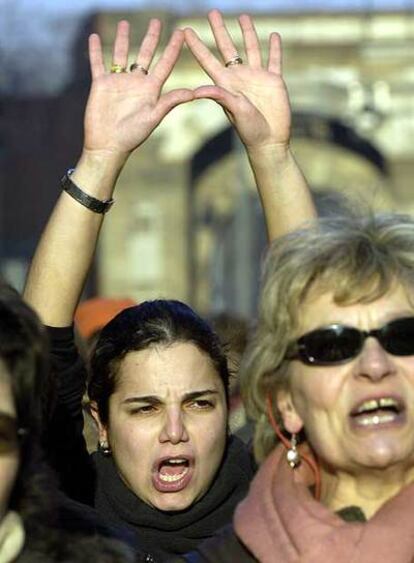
(137, 66)
(236, 60)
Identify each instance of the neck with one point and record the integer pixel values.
(368, 490)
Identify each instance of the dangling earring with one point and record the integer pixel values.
(292, 447)
(104, 448)
(292, 455)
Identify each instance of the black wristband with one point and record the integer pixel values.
(95, 205)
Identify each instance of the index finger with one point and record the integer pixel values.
(208, 62)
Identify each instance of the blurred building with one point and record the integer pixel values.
(42, 100)
(187, 222)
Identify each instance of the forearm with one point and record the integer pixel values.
(122, 111)
(65, 251)
(283, 190)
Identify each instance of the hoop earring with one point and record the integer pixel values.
(292, 455)
(104, 449)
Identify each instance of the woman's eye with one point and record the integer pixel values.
(145, 409)
(201, 404)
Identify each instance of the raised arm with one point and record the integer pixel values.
(255, 98)
(122, 110)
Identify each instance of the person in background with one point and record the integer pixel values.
(36, 524)
(233, 332)
(91, 316)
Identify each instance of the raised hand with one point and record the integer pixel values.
(125, 107)
(255, 98)
(122, 110)
(253, 95)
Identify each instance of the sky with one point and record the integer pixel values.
(65, 6)
(36, 36)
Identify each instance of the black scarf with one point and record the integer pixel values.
(164, 534)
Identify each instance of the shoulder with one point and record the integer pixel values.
(76, 532)
(75, 517)
(223, 547)
(61, 547)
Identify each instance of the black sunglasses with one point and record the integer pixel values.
(336, 344)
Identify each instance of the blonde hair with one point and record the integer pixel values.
(357, 258)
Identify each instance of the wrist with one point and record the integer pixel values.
(82, 197)
(277, 156)
(97, 172)
(110, 162)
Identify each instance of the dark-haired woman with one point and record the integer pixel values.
(166, 466)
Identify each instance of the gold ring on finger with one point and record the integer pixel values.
(117, 69)
(236, 60)
(137, 66)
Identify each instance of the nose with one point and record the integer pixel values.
(173, 429)
(374, 362)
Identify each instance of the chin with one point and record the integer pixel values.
(171, 502)
(382, 457)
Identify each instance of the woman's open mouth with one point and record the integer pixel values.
(172, 474)
(378, 412)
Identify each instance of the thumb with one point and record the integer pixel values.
(170, 100)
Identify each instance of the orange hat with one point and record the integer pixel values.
(93, 314)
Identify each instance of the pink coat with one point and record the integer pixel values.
(281, 522)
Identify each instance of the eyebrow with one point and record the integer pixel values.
(154, 400)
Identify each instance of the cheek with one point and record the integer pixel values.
(210, 437)
(405, 364)
(132, 451)
(131, 440)
(316, 392)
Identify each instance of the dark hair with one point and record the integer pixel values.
(24, 352)
(151, 323)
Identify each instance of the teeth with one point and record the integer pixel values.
(374, 404)
(370, 405)
(376, 419)
(177, 461)
(172, 478)
(388, 402)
